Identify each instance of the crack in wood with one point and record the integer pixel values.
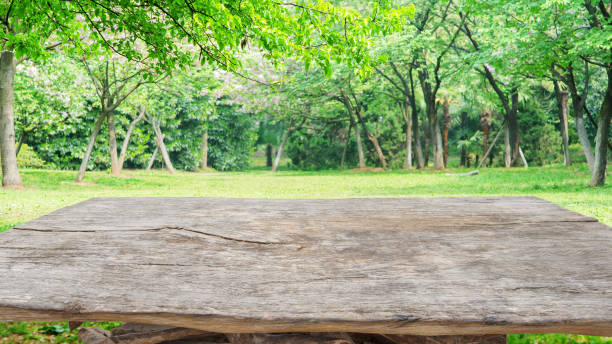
(228, 238)
(163, 229)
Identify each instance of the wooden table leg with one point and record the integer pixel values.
(481, 339)
(131, 333)
(290, 338)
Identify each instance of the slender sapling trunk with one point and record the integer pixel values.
(90, 145)
(126, 140)
(205, 148)
(112, 145)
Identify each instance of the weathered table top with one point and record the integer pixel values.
(412, 266)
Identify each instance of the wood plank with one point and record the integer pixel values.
(447, 266)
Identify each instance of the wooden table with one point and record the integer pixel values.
(399, 268)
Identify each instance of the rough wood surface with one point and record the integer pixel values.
(397, 266)
(134, 333)
(290, 338)
(483, 339)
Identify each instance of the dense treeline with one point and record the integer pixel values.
(458, 74)
(456, 83)
(55, 109)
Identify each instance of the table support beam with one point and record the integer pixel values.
(479, 339)
(132, 333)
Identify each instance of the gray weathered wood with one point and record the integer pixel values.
(134, 333)
(484, 339)
(290, 338)
(421, 266)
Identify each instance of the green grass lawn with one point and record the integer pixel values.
(45, 191)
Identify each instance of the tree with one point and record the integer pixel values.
(354, 104)
(434, 41)
(562, 99)
(485, 123)
(408, 108)
(506, 91)
(114, 80)
(544, 37)
(174, 33)
(26, 33)
(48, 97)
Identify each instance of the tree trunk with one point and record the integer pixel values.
(435, 136)
(205, 148)
(564, 129)
(418, 147)
(486, 154)
(463, 161)
(152, 160)
(584, 141)
(514, 130)
(358, 139)
(507, 150)
(578, 102)
(159, 139)
(523, 158)
(20, 143)
(408, 147)
(408, 121)
(598, 174)
(592, 120)
(379, 151)
(268, 155)
(90, 145)
(346, 142)
(279, 153)
(10, 172)
(427, 133)
(562, 99)
(126, 140)
(438, 146)
(485, 122)
(446, 123)
(372, 139)
(112, 145)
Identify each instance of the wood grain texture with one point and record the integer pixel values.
(445, 266)
(484, 339)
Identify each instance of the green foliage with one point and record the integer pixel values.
(548, 147)
(556, 339)
(13, 328)
(54, 329)
(540, 141)
(314, 31)
(321, 149)
(472, 144)
(45, 332)
(231, 139)
(28, 158)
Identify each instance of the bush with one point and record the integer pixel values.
(539, 139)
(321, 149)
(548, 146)
(231, 139)
(28, 158)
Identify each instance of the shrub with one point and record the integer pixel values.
(28, 158)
